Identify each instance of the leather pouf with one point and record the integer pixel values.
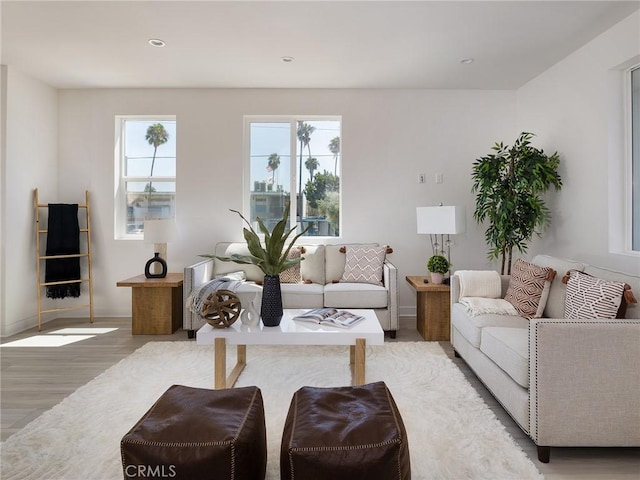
(350, 433)
(197, 433)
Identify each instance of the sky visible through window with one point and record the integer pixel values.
(140, 153)
(273, 137)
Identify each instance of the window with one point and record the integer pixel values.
(145, 172)
(295, 159)
(635, 158)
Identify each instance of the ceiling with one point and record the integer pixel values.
(335, 44)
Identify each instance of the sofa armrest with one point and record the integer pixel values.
(584, 382)
(390, 280)
(194, 276)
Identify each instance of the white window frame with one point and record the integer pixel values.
(294, 146)
(628, 162)
(120, 180)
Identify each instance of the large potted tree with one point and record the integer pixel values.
(509, 185)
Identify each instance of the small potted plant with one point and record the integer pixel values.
(438, 265)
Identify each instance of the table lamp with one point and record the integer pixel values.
(159, 232)
(441, 220)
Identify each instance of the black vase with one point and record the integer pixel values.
(157, 259)
(271, 309)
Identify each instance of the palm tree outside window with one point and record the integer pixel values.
(302, 159)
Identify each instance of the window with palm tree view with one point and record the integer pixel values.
(146, 172)
(295, 161)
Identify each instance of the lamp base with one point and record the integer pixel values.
(155, 263)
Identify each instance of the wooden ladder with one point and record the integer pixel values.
(40, 258)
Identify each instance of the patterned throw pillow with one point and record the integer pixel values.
(292, 275)
(592, 297)
(364, 265)
(529, 288)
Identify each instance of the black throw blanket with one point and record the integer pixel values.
(63, 238)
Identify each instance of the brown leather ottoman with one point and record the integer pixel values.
(196, 433)
(345, 433)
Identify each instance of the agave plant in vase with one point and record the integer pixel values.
(272, 259)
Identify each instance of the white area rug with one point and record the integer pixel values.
(452, 433)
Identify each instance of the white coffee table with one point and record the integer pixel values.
(290, 332)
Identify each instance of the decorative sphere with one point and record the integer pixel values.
(221, 308)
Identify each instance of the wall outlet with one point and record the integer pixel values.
(421, 178)
(439, 178)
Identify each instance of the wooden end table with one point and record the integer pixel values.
(156, 304)
(433, 309)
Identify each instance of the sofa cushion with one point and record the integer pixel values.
(471, 327)
(529, 288)
(355, 295)
(364, 265)
(312, 267)
(592, 297)
(557, 292)
(302, 295)
(509, 349)
(292, 274)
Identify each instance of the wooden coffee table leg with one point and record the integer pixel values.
(357, 361)
(241, 361)
(220, 363)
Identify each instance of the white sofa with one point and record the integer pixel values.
(565, 382)
(322, 266)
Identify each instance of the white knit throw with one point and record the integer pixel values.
(479, 283)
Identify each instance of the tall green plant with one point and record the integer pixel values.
(270, 258)
(509, 185)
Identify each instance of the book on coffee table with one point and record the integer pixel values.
(330, 316)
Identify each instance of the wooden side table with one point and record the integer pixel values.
(433, 309)
(156, 304)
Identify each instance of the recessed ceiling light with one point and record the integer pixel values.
(466, 61)
(287, 59)
(156, 42)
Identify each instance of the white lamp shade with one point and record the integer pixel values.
(160, 231)
(441, 220)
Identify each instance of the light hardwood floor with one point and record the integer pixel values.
(35, 379)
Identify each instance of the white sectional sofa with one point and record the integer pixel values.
(322, 267)
(565, 382)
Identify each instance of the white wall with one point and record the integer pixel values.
(30, 156)
(389, 137)
(576, 108)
